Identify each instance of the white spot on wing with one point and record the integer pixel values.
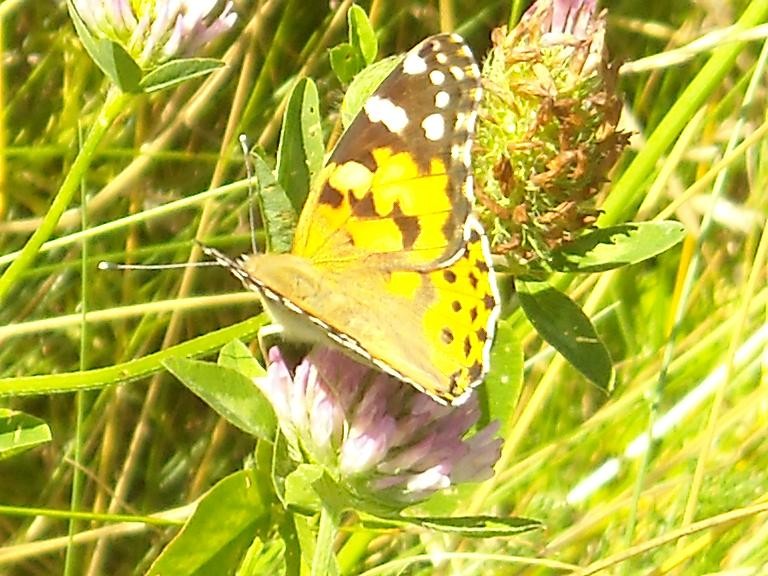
(471, 123)
(442, 99)
(291, 306)
(436, 77)
(441, 57)
(414, 64)
(385, 111)
(270, 294)
(320, 323)
(434, 127)
(466, 156)
(469, 188)
(457, 72)
(461, 122)
(465, 122)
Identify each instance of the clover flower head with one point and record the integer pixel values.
(547, 135)
(154, 31)
(381, 438)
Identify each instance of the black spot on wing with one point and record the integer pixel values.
(456, 389)
(408, 225)
(363, 207)
(475, 371)
(331, 196)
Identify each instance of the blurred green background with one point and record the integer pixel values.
(675, 325)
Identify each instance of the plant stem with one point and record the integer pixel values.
(113, 105)
(72, 554)
(323, 560)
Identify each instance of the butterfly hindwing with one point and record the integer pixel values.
(432, 329)
(440, 339)
(398, 183)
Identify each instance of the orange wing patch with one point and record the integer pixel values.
(398, 183)
(397, 208)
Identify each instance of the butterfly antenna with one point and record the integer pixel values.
(105, 265)
(219, 259)
(251, 193)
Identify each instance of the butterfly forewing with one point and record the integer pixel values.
(398, 182)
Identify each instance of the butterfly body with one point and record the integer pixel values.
(388, 261)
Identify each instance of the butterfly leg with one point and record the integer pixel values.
(268, 336)
(274, 335)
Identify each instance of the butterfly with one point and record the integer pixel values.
(388, 261)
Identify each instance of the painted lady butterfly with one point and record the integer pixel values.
(388, 260)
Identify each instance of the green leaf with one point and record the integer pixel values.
(233, 395)
(299, 491)
(19, 432)
(470, 526)
(336, 499)
(284, 460)
(310, 488)
(565, 326)
(306, 540)
(177, 71)
(237, 356)
(301, 149)
(345, 62)
(112, 58)
(361, 34)
(349, 58)
(219, 532)
(481, 526)
(443, 502)
(288, 529)
(277, 212)
(263, 558)
(501, 388)
(363, 85)
(616, 246)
